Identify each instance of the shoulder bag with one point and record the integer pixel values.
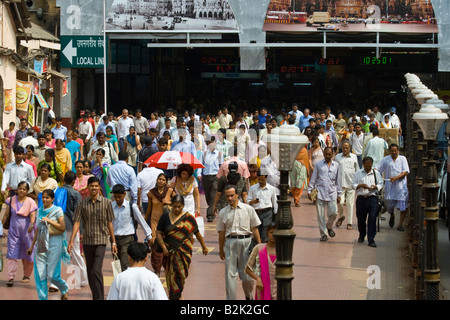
(52, 230)
(379, 200)
(7, 217)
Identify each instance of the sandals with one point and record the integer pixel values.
(25, 280)
(339, 222)
(10, 283)
(65, 296)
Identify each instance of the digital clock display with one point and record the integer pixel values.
(372, 61)
(297, 69)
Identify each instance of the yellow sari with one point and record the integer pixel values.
(64, 158)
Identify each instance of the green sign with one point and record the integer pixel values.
(83, 51)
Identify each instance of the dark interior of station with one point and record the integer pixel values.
(206, 79)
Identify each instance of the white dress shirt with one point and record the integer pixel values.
(362, 177)
(348, 165)
(14, 174)
(267, 196)
(123, 223)
(124, 125)
(238, 221)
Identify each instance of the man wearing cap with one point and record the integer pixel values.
(393, 118)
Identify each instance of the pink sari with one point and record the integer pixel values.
(265, 294)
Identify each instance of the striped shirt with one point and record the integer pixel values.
(94, 216)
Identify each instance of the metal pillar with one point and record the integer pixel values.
(431, 189)
(284, 240)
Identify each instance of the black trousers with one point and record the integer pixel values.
(94, 255)
(210, 187)
(366, 214)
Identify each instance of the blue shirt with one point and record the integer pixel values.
(212, 161)
(303, 122)
(59, 133)
(327, 180)
(122, 173)
(185, 146)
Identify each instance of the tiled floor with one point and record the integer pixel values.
(338, 269)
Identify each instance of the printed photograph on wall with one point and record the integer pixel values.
(163, 15)
(409, 16)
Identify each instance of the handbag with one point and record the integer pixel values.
(52, 230)
(116, 267)
(380, 203)
(313, 194)
(7, 216)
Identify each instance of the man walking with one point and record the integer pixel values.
(96, 214)
(395, 169)
(212, 160)
(236, 224)
(375, 148)
(367, 183)
(327, 181)
(348, 165)
(263, 198)
(356, 141)
(101, 143)
(73, 198)
(16, 172)
(122, 173)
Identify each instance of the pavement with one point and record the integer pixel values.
(338, 269)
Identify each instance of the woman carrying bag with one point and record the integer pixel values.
(51, 247)
(22, 214)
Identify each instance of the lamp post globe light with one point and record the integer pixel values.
(284, 144)
(430, 119)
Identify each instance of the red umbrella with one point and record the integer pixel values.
(171, 159)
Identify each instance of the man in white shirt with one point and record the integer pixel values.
(263, 198)
(110, 153)
(127, 216)
(86, 131)
(367, 183)
(236, 225)
(137, 282)
(124, 124)
(348, 165)
(356, 141)
(225, 118)
(29, 140)
(16, 172)
(375, 148)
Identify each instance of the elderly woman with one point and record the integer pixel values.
(185, 184)
(22, 210)
(175, 238)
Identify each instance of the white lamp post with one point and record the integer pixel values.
(430, 119)
(284, 144)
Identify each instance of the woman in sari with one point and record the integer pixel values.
(81, 180)
(261, 267)
(100, 170)
(175, 237)
(50, 249)
(42, 182)
(20, 233)
(132, 146)
(298, 176)
(158, 201)
(186, 185)
(50, 142)
(63, 156)
(74, 149)
(56, 171)
(31, 158)
(315, 154)
(10, 135)
(112, 138)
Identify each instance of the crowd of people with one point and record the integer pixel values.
(69, 192)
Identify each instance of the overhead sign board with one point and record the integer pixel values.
(83, 51)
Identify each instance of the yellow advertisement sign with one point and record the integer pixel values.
(23, 93)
